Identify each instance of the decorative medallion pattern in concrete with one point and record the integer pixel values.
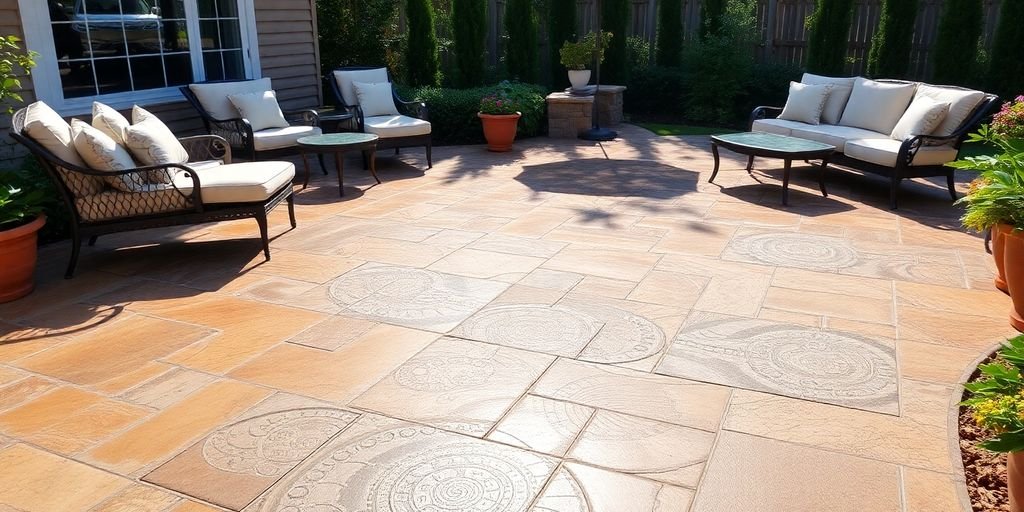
(551, 329)
(385, 465)
(787, 249)
(580, 488)
(824, 366)
(412, 297)
(626, 336)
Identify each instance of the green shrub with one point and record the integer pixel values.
(670, 33)
(828, 38)
(421, 59)
(889, 56)
(712, 13)
(521, 42)
(956, 45)
(30, 177)
(469, 23)
(453, 111)
(358, 33)
(638, 52)
(615, 19)
(656, 93)
(579, 55)
(1006, 72)
(721, 65)
(561, 29)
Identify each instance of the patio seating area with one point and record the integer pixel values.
(570, 327)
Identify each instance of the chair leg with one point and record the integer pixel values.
(894, 190)
(396, 150)
(366, 160)
(323, 167)
(291, 209)
(261, 219)
(76, 246)
(92, 240)
(430, 162)
(951, 184)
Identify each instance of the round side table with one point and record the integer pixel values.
(339, 144)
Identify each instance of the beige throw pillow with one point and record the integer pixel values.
(101, 153)
(837, 98)
(51, 131)
(877, 106)
(109, 121)
(260, 109)
(346, 77)
(152, 142)
(214, 96)
(375, 99)
(962, 103)
(805, 102)
(922, 118)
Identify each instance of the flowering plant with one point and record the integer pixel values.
(1009, 121)
(997, 195)
(502, 101)
(997, 399)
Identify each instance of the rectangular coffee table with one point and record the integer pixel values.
(771, 145)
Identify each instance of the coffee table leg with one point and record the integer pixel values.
(750, 163)
(339, 165)
(785, 182)
(373, 164)
(821, 177)
(305, 164)
(714, 151)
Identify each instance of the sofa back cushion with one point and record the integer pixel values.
(51, 131)
(214, 96)
(922, 118)
(805, 102)
(346, 77)
(837, 98)
(962, 103)
(260, 109)
(877, 106)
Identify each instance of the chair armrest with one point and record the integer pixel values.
(306, 116)
(207, 147)
(238, 132)
(417, 109)
(763, 112)
(143, 178)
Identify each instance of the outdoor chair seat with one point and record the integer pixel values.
(279, 138)
(834, 135)
(396, 126)
(776, 126)
(886, 152)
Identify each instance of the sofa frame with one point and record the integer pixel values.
(194, 211)
(908, 149)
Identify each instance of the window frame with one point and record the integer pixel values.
(46, 82)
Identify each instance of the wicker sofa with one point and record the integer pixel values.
(874, 149)
(206, 187)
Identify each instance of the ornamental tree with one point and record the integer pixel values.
(889, 56)
(1006, 72)
(670, 33)
(561, 29)
(955, 54)
(521, 45)
(421, 59)
(829, 28)
(615, 19)
(469, 24)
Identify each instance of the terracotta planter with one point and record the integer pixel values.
(1013, 266)
(998, 250)
(1015, 480)
(18, 260)
(499, 130)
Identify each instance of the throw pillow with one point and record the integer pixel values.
(100, 152)
(836, 102)
(962, 103)
(214, 96)
(260, 109)
(805, 102)
(51, 131)
(375, 99)
(153, 143)
(109, 121)
(344, 78)
(922, 118)
(877, 106)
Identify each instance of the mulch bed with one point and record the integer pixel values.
(985, 471)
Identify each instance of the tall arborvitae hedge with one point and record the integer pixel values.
(670, 33)
(711, 14)
(829, 28)
(1006, 74)
(469, 24)
(421, 60)
(889, 56)
(615, 19)
(561, 28)
(955, 54)
(521, 45)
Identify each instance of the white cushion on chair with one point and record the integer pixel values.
(805, 102)
(962, 103)
(922, 118)
(214, 96)
(51, 131)
(260, 109)
(375, 99)
(277, 138)
(885, 151)
(102, 153)
(776, 126)
(834, 134)
(151, 141)
(109, 121)
(246, 182)
(345, 78)
(395, 126)
(836, 102)
(877, 106)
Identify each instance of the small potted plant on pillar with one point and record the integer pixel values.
(499, 114)
(578, 56)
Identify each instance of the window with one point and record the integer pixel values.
(133, 51)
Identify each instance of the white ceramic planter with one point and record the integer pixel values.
(579, 78)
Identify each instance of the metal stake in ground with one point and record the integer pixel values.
(595, 132)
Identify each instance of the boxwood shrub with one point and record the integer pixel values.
(453, 111)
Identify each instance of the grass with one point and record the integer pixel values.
(681, 129)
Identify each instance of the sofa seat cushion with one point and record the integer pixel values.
(395, 126)
(247, 182)
(277, 138)
(776, 126)
(883, 151)
(835, 135)
(205, 164)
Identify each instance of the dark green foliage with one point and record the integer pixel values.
(30, 177)
(453, 111)
(469, 23)
(711, 13)
(657, 93)
(1006, 74)
(670, 33)
(956, 45)
(828, 36)
(889, 56)
(358, 33)
(638, 52)
(615, 19)
(721, 65)
(561, 28)
(521, 43)
(421, 59)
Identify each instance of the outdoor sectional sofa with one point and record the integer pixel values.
(859, 116)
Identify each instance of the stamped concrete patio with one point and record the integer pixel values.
(569, 327)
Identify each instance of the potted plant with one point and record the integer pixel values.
(499, 114)
(578, 56)
(995, 202)
(997, 404)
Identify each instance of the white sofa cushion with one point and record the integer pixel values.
(152, 142)
(395, 126)
(921, 118)
(101, 153)
(345, 78)
(214, 96)
(805, 102)
(375, 99)
(109, 121)
(277, 138)
(51, 131)
(834, 134)
(260, 109)
(877, 106)
(884, 152)
(239, 183)
(837, 98)
(776, 126)
(961, 103)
